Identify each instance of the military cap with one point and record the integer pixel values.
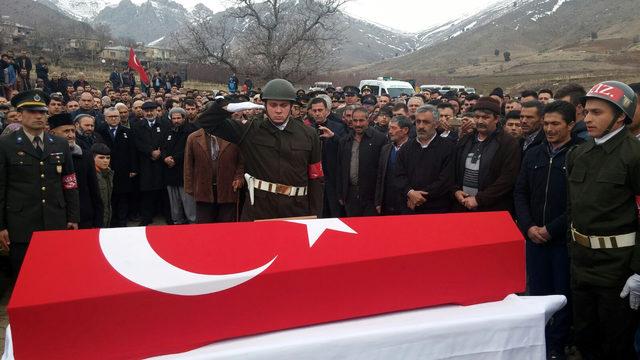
(100, 149)
(149, 105)
(35, 100)
(351, 90)
(330, 89)
(369, 100)
(366, 88)
(60, 120)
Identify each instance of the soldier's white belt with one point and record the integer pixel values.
(286, 190)
(604, 242)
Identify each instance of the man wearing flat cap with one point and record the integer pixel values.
(487, 162)
(38, 186)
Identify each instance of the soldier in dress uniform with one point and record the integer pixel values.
(283, 159)
(604, 189)
(38, 187)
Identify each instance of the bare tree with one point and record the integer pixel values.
(268, 39)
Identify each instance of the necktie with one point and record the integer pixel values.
(113, 133)
(37, 144)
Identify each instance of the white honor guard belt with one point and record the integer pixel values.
(267, 186)
(604, 242)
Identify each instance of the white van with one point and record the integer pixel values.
(321, 85)
(430, 88)
(392, 87)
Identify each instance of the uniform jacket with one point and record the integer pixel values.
(499, 167)
(199, 171)
(173, 145)
(34, 195)
(370, 147)
(124, 157)
(604, 181)
(289, 157)
(148, 139)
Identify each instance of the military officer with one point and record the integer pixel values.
(283, 161)
(38, 187)
(604, 184)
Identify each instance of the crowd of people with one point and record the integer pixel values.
(564, 163)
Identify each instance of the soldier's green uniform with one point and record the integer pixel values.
(603, 183)
(38, 191)
(279, 161)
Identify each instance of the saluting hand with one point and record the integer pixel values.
(4, 240)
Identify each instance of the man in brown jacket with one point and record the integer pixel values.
(487, 163)
(213, 174)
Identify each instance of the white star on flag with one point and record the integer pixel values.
(315, 227)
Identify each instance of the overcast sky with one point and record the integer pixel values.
(404, 15)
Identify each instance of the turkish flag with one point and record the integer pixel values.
(140, 292)
(134, 64)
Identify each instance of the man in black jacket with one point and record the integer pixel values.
(124, 164)
(424, 173)
(540, 203)
(91, 208)
(183, 206)
(320, 112)
(358, 159)
(389, 199)
(531, 124)
(149, 134)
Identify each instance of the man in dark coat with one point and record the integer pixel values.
(358, 159)
(38, 187)
(91, 207)
(424, 173)
(540, 198)
(531, 124)
(320, 112)
(24, 62)
(183, 207)
(487, 162)
(389, 199)
(149, 134)
(124, 163)
(116, 79)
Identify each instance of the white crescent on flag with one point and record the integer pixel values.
(130, 254)
(128, 251)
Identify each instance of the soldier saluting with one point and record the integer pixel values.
(38, 187)
(604, 184)
(282, 156)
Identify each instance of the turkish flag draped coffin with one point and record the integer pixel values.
(139, 292)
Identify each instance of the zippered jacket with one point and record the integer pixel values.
(540, 195)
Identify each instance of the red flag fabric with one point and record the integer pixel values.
(138, 292)
(134, 64)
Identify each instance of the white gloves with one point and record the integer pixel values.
(237, 107)
(632, 288)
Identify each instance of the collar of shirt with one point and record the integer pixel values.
(532, 137)
(151, 123)
(400, 146)
(32, 137)
(638, 136)
(604, 139)
(281, 126)
(112, 128)
(428, 142)
(445, 134)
